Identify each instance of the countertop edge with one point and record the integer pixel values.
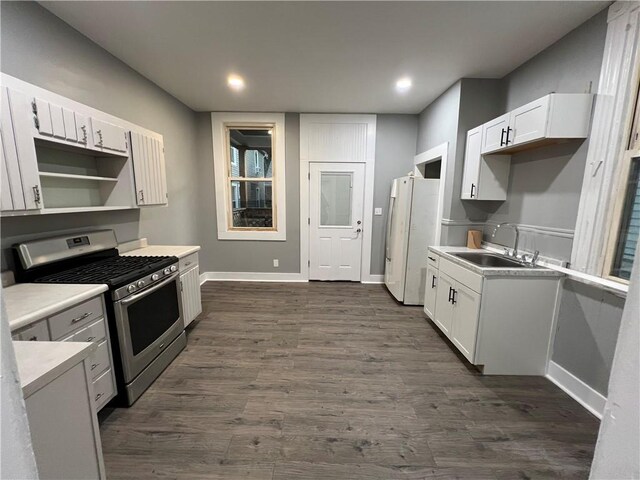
(32, 355)
(447, 252)
(182, 250)
(32, 317)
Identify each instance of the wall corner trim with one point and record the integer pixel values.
(582, 393)
(251, 277)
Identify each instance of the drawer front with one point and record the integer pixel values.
(37, 332)
(103, 389)
(99, 360)
(462, 275)
(188, 262)
(433, 260)
(96, 332)
(69, 320)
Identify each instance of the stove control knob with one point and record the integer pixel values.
(155, 277)
(131, 288)
(140, 283)
(167, 271)
(173, 268)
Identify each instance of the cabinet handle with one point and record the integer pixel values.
(141, 192)
(506, 142)
(94, 366)
(502, 138)
(98, 396)
(433, 281)
(36, 194)
(187, 264)
(84, 133)
(431, 258)
(453, 296)
(473, 187)
(81, 317)
(33, 339)
(450, 293)
(90, 339)
(99, 132)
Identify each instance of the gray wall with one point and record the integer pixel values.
(245, 255)
(545, 183)
(39, 48)
(396, 137)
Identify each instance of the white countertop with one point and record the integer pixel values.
(41, 362)
(447, 252)
(163, 251)
(29, 302)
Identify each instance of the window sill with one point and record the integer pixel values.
(617, 288)
(270, 236)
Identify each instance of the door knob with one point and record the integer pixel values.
(358, 222)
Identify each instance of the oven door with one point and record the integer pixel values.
(147, 322)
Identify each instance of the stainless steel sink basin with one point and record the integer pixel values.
(491, 260)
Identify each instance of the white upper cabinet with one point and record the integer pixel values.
(149, 170)
(494, 132)
(548, 119)
(60, 124)
(107, 136)
(485, 177)
(20, 183)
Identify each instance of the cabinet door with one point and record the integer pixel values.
(430, 293)
(20, 160)
(444, 307)
(528, 122)
(494, 134)
(464, 329)
(70, 130)
(191, 299)
(472, 159)
(107, 136)
(148, 169)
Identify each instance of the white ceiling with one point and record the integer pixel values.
(321, 56)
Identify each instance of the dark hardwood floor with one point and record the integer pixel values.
(338, 381)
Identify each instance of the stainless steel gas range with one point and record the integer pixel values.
(143, 302)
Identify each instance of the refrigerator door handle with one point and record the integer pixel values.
(387, 242)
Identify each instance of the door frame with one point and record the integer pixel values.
(369, 176)
(438, 153)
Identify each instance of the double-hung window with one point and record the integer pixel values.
(625, 228)
(249, 167)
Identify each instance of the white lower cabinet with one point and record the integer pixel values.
(190, 288)
(430, 291)
(84, 322)
(500, 322)
(466, 310)
(64, 428)
(456, 313)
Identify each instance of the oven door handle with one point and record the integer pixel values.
(148, 291)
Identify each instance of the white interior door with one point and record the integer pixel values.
(336, 196)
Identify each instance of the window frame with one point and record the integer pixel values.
(222, 123)
(620, 187)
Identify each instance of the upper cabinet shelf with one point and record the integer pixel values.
(551, 119)
(60, 156)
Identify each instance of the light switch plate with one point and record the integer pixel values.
(377, 211)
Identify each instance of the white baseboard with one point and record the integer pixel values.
(373, 279)
(250, 277)
(577, 389)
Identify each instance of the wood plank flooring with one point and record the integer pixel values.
(338, 381)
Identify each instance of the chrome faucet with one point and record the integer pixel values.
(515, 243)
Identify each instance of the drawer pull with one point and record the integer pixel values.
(81, 317)
(187, 264)
(98, 396)
(90, 339)
(33, 339)
(432, 259)
(94, 366)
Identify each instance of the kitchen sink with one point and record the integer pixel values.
(491, 260)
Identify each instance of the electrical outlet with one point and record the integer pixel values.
(377, 211)
(276, 263)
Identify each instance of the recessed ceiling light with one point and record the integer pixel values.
(235, 82)
(403, 84)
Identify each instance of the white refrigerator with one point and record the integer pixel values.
(411, 228)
